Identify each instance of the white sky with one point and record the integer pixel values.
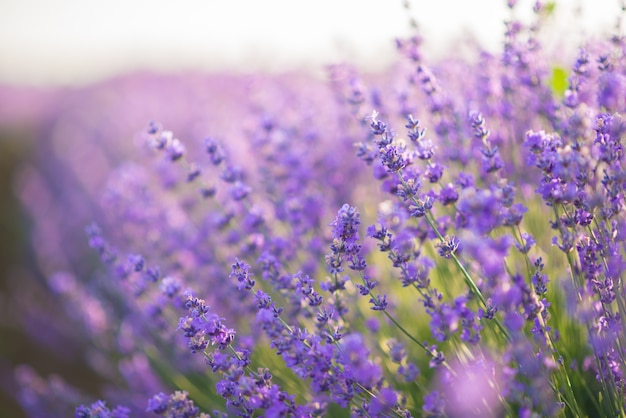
(76, 41)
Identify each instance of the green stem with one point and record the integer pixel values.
(467, 277)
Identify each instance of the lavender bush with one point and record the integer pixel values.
(445, 239)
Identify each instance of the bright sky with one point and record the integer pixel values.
(76, 41)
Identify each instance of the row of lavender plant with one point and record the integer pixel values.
(443, 240)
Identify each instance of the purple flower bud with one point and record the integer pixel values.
(241, 272)
(434, 172)
(448, 246)
(448, 195)
(175, 149)
(170, 286)
(100, 410)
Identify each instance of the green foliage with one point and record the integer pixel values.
(558, 81)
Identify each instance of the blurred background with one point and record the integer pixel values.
(73, 70)
(69, 42)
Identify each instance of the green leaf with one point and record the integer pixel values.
(549, 8)
(558, 81)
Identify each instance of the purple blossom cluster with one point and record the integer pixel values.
(445, 239)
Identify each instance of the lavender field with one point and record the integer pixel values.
(442, 239)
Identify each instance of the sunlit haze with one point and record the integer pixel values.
(76, 41)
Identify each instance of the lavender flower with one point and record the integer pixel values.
(100, 410)
(488, 279)
(175, 405)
